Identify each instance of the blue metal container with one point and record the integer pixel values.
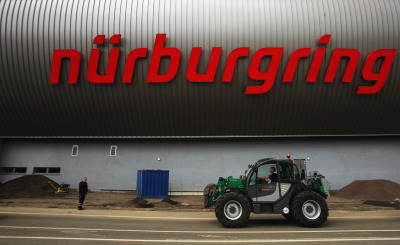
(152, 183)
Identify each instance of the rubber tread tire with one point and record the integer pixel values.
(219, 210)
(209, 189)
(208, 193)
(297, 211)
(288, 216)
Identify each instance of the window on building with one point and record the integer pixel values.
(20, 170)
(54, 170)
(75, 149)
(40, 170)
(13, 170)
(113, 151)
(7, 170)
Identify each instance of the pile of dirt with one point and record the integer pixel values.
(165, 203)
(170, 201)
(380, 203)
(376, 190)
(139, 203)
(35, 186)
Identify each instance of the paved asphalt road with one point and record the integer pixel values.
(66, 226)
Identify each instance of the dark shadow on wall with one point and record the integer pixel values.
(2, 142)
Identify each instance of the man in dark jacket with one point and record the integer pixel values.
(83, 190)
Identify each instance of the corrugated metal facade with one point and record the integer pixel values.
(31, 30)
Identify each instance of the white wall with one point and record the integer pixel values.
(200, 161)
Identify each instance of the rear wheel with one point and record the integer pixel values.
(309, 209)
(232, 210)
(288, 216)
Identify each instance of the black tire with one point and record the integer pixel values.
(208, 193)
(232, 210)
(209, 189)
(309, 209)
(288, 216)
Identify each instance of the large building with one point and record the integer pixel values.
(201, 88)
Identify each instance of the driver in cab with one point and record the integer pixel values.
(273, 176)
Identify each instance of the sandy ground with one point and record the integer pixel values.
(105, 200)
(129, 201)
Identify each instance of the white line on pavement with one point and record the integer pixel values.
(179, 218)
(209, 241)
(208, 232)
(113, 216)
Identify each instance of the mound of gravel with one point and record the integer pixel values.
(376, 190)
(139, 203)
(35, 186)
(170, 201)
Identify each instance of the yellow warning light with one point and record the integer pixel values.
(288, 156)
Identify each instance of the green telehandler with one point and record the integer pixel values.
(274, 186)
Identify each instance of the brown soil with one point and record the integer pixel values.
(28, 186)
(138, 202)
(376, 190)
(34, 191)
(170, 201)
(380, 203)
(106, 200)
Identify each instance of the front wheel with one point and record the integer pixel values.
(232, 210)
(208, 194)
(309, 209)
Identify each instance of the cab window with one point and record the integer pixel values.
(296, 173)
(253, 178)
(262, 171)
(285, 171)
(288, 172)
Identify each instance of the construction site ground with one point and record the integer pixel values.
(35, 191)
(130, 201)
